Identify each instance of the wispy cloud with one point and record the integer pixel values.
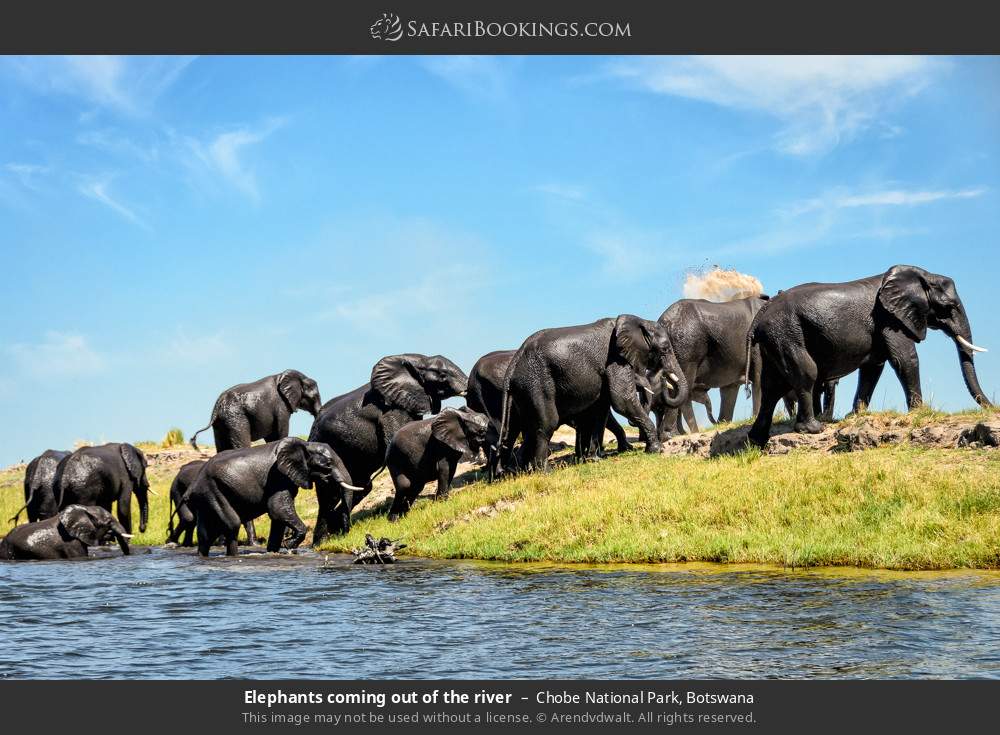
(99, 189)
(223, 154)
(820, 101)
(113, 141)
(483, 77)
(843, 199)
(58, 355)
(27, 173)
(128, 85)
(196, 349)
(571, 192)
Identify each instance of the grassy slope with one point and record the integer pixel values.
(898, 507)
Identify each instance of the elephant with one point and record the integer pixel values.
(818, 332)
(184, 479)
(709, 339)
(824, 396)
(39, 492)
(102, 475)
(359, 425)
(430, 449)
(579, 373)
(66, 535)
(650, 396)
(485, 395)
(238, 485)
(260, 410)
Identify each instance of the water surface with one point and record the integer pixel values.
(167, 614)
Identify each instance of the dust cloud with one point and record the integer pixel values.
(720, 285)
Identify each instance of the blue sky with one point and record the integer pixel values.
(174, 226)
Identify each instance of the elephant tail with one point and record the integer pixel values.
(170, 518)
(211, 422)
(14, 518)
(750, 344)
(506, 398)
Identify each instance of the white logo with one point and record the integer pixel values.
(387, 28)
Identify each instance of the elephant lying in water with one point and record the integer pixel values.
(67, 535)
(817, 332)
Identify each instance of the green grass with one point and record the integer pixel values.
(891, 508)
(898, 507)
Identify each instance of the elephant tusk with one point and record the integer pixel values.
(351, 487)
(648, 391)
(153, 492)
(968, 345)
(464, 393)
(126, 535)
(674, 378)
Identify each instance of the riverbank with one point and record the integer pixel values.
(883, 491)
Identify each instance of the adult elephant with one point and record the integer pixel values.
(39, 492)
(359, 426)
(485, 395)
(238, 485)
(260, 410)
(818, 332)
(709, 339)
(102, 475)
(66, 535)
(577, 374)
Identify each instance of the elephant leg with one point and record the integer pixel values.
(402, 501)
(445, 474)
(124, 510)
(689, 417)
(508, 457)
(276, 535)
(615, 428)
(328, 496)
(538, 423)
(868, 376)
(621, 386)
(251, 533)
(188, 535)
(773, 387)
(281, 509)
(791, 404)
(727, 408)
(802, 374)
(906, 365)
(829, 399)
(207, 532)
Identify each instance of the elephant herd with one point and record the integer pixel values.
(792, 347)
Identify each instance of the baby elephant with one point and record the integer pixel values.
(64, 536)
(428, 450)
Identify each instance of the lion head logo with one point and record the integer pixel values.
(387, 28)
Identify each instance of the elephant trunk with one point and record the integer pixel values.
(118, 531)
(143, 497)
(673, 373)
(961, 332)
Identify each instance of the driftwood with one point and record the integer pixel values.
(377, 551)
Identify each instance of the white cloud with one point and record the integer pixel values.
(842, 199)
(129, 85)
(478, 76)
(112, 141)
(100, 190)
(196, 349)
(222, 154)
(59, 354)
(563, 191)
(820, 101)
(27, 173)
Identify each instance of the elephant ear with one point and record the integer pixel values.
(292, 460)
(79, 524)
(634, 342)
(135, 461)
(290, 387)
(903, 294)
(396, 378)
(447, 429)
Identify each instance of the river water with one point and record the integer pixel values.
(167, 614)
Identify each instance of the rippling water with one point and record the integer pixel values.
(167, 614)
